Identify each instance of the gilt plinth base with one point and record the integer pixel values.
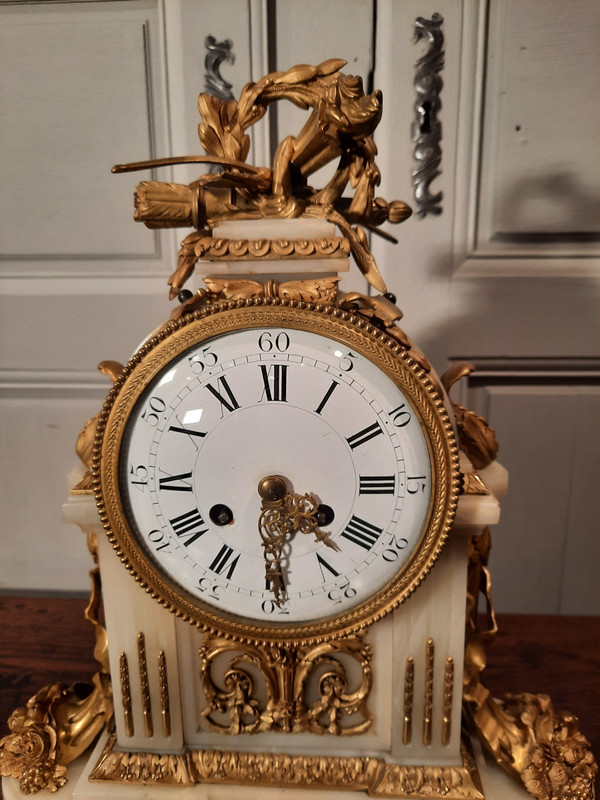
(477, 778)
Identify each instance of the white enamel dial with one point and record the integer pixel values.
(255, 402)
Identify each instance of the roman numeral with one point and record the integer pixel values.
(189, 526)
(328, 394)
(377, 484)
(324, 565)
(275, 384)
(189, 431)
(365, 435)
(170, 482)
(223, 562)
(361, 532)
(229, 402)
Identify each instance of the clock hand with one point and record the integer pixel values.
(284, 513)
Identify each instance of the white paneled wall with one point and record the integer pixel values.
(507, 276)
(545, 550)
(81, 88)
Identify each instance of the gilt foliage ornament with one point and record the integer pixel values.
(340, 126)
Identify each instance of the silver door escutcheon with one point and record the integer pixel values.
(214, 83)
(427, 128)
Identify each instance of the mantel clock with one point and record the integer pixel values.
(291, 518)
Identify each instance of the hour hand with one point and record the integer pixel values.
(273, 527)
(284, 513)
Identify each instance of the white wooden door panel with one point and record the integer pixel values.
(545, 551)
(82, 87)
(40, 423)
(527, 178)
(507, 275)
(580, 588)
(78, 93)
(312, 32)
(525, 292)
(540, 175)
(418, 270)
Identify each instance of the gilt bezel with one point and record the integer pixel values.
(350, 329)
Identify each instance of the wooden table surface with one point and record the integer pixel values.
(47, 639)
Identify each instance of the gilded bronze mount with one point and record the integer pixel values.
(369, 774)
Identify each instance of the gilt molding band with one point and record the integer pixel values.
(216, 248)
(366, 773)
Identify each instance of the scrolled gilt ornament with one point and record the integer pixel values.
(336, 701)
(57, 725)
(233, 696)
(60, 722)
(85, 441)
(477, 438)
(233, 704)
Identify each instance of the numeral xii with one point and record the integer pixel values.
(275, 382)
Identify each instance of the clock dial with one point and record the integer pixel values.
(201, 429)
